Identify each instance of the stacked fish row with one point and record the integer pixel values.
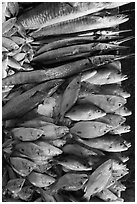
(62, 121)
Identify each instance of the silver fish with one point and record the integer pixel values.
(123, 111)
(85, 112)
(90, 129)
(40, 180)
(15, 185)
(98, 179)
(105, 102)
(108, 143)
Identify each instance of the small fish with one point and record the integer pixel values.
(39, 150)
(40, 180)
(98, 179)
(7, 25)
(19, 56)
(48, 149)
(120, 130)
(107, 89)
(90, 129)
(22, 166)
(46, 196)
(14, 63)
(70, 182)
(18, 40)
(85, 112)
(26, 134)
(35, 123)
(107, 103)
(108, 196)
(85, 23)
(112, 119)
(15, 185)
(9, 44)
(72, 164)
(4, 67)
(77, 150)
(52, 131)
(108, 143)
(26, 193)
(70, 95)
(106, 76)
(123, 111)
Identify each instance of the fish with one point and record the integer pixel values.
(69, 41)
(7, 25)
(108, 143)
(107, 89)
(14, 64)
(26, 193)
(53, 13)
(107, 76)
(22, 166)
(18, 40)
(109, 196)
(38, 150)
(73, 164)
(91, 129)
(98, 179)
(120, 130)
(69, 182)
(84, 112)
(34, 123)
(13, 8)
(48, 149)
(27, 134)
(28, 100)
(4, 67)
(77, 150)
(46, 196)
(70, 95)
(40, 180)
(123, 111)
(107, 103)
(15, 185)
(52, 131)
(74, 50)
(80, 25)
(9, 44)
(112, 119)
(19, 56)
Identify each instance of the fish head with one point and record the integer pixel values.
(62, 130)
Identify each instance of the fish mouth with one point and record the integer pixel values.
(127, 144)
(124, 77)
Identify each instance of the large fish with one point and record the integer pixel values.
(85, 112)
(28, 100)
(98, 179)
(90, 129)
(79, 25)
(107, 103)
(108, 143)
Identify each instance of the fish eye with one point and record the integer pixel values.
(119, 104)
(98, 111)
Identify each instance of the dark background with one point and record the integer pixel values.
(128, 67)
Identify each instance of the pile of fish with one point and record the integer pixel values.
(64, 109)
